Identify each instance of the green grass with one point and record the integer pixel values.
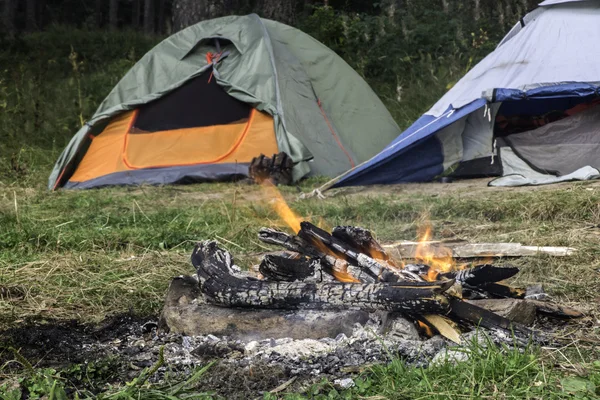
(86, 255)
(489, 373)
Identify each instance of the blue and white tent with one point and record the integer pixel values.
(550, 60)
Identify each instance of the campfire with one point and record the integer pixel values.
(347, 269)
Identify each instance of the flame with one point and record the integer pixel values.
(428, 331)
(344, 276)
(439, 258)
(281, 207)
(293, 221)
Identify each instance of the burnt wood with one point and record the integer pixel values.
(277, 169)
(493, 290)
(474, 315)
(281, 268)
(217, 283)
(329, 262)
(374, 268)
(481, 274)
(555, 310)
(362, 240)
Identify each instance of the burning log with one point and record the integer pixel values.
(372, 267)
(362, 240)
(335, 266)
(219, 285)
(277, 169)
(493, 290)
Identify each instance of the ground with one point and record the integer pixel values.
(72, 259)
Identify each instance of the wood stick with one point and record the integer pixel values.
(280, 268)
(408, 249)
(475, 315)
(481, 274)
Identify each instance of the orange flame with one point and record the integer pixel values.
(344, 276)
(281, 207)
(439, 258)
(428, 331)
(293, 221)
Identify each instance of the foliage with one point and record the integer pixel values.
(50, 384)
(51, 82)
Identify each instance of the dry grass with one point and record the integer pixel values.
(86, 255)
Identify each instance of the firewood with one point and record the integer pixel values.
(186, 313)
(374, 268)
(474, 315)
(492, 291)
(516, 310)
(408, 249)
(219, 286)
(330, 263)
(444, 326)
(555, 310)
(362, 240)
(277, 169)
(481, 274)
(280, 268)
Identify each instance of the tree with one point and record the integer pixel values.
(31, 16)
(135, 13)
(113, 14)
(99, 12)
(162, 16)
(278, 10)
(8, 17)
(149, 16)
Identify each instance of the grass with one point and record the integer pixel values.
(86, 255)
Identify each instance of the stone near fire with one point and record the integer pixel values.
(450, 356)
(186, 313)
(515, 310)
(397, 327)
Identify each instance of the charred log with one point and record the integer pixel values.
(492, 290)
(477, 316)
(372, 267)
(362, 240)
(481, 274)
(329, 263)
(277, 169)
(555, 310)
(281, 268)
(221, 287)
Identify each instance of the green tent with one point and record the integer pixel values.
(206, 100)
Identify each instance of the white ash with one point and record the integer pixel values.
(331, 358)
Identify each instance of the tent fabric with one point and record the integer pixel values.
(117, 150)
(324, 114)
(561, 147)
(200, 102)
(169, 175)
(518, 173)
(552, 57)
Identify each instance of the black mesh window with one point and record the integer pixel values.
(197, 103)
